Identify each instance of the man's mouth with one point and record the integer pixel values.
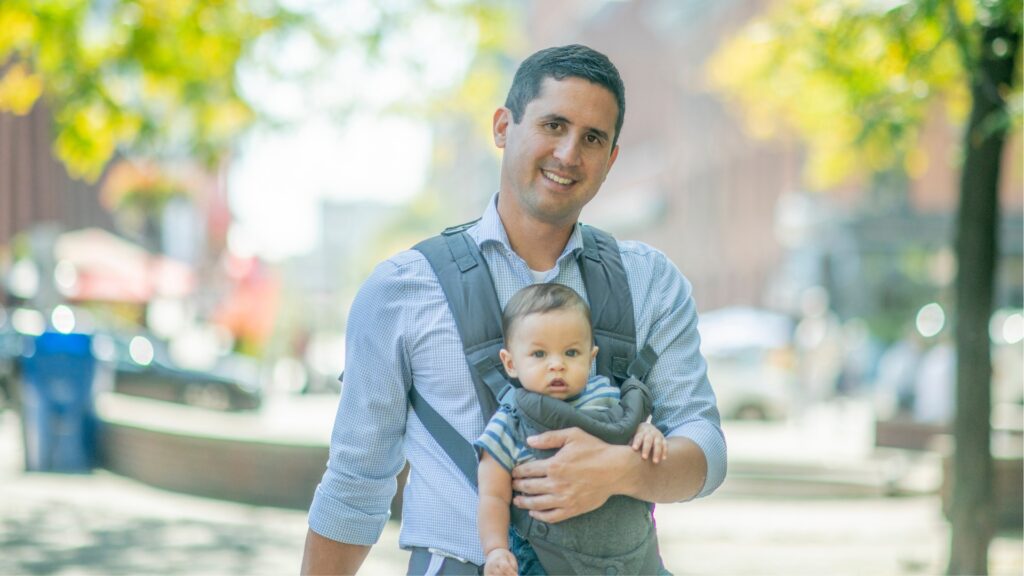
(557, 179)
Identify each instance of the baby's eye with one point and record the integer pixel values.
(572, 352)
(537, 353)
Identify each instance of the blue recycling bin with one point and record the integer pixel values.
(58, 414)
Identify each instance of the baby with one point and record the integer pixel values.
(549, 348)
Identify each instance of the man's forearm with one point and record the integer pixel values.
(679, 477)
(325, 556)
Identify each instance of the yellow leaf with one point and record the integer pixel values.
(17, 29)
(19, 90)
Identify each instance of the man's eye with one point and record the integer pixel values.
(552, 126)
(591, 139)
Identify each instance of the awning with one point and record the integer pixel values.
(105, 267)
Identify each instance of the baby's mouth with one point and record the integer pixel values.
(557, 383)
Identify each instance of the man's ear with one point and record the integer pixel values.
(506, 360)
(502, 117)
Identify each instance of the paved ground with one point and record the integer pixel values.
(103, 524)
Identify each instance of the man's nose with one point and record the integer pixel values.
(568, 151)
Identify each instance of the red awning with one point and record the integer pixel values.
(109, 268)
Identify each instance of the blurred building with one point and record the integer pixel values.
(34, 186)
(329, 276)
(687, 180)
(107, 255)
(730, 211)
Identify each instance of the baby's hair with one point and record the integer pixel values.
(538, 299)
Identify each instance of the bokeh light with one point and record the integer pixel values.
(931, 318)
(141, 350)
(63, 319)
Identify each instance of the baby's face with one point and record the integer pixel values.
(551, 353)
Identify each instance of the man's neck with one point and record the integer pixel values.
(538, 243)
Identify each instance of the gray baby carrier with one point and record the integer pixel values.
(618, 537)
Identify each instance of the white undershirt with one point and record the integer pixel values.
(539, 276)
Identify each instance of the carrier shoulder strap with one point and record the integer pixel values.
(467, 284)
(469, 289)
(611, 309)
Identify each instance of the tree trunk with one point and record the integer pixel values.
(972, 515)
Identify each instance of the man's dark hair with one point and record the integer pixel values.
(560, 62)
(538, 299)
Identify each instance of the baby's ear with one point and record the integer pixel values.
(506, 360)
(593, 353)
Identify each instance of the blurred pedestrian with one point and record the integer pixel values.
(559, 130)
(897, 372)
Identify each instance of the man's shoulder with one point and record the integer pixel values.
(636, 248)
(409, 257)
(642, 258)
(400, 275)
(650, 271)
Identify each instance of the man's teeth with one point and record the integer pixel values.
(558, 179)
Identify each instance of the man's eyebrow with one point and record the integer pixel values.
(562, 119)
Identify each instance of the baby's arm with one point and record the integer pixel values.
(493, 516)
(648, 440)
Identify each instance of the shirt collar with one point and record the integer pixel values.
(491, 229)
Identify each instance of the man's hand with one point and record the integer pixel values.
(501, 562)
(579, 478)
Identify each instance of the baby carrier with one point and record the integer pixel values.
(618, 537)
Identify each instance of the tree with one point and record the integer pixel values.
(158, 79)
(152, 74)
(855, 80)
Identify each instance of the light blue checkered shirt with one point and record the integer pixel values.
(401, 330)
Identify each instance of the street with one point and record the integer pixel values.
(104, 524)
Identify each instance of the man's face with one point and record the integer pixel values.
(558, 155)
(550, 353)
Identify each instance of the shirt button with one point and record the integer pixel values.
(542, 529)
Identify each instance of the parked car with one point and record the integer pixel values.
(139, 365)
(751, 363)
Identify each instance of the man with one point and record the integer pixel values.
(559, 130)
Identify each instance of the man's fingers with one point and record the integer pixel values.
(538, 503)
(528, 486)
(531, 469)
(550, 516)
(550, 440)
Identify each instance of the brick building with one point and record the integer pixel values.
(34, 186)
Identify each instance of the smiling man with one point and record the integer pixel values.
(559, 131)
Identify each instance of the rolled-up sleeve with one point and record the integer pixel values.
(352, 502)
(684, 402)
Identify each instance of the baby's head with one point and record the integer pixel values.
(549, 343)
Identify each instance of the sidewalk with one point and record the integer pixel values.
(102, 524)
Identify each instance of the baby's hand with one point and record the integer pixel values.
(501, 562)
(650, 441)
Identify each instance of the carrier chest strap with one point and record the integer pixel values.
(469, 289)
